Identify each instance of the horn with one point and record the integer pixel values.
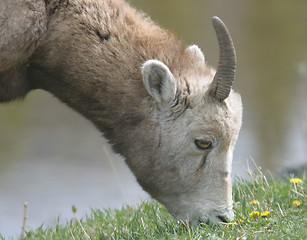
(225, 74)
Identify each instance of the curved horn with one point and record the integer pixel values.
(225, 74)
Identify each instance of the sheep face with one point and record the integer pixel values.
(190, 171)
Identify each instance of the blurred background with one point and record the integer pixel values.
(53, 158)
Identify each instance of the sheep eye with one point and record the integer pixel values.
(203, 144)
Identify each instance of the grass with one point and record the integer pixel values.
(264, 209)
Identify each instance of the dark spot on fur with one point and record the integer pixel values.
(180, 104)
(175, 103)
(103, 37)
(202, 163)
(55, 5)
(188, 87)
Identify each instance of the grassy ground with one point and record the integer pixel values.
(264, 209)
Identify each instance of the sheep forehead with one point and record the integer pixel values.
(206, 114)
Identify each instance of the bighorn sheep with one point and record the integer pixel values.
(173, 118)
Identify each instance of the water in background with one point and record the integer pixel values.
(53, 158)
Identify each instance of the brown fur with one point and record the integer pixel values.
(22, 24)
(90, 57)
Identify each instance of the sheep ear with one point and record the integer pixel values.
(196, 51)
(159, 81)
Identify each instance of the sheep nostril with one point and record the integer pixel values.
(223, 219)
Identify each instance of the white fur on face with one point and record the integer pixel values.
(195, 184)
(204, 187)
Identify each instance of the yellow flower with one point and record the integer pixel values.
(255, 202)
(265, 213)
(242, 220)
(254, 214)
(296, 180)
(296, 202)
(230, 225)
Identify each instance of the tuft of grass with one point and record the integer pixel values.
(264, 209)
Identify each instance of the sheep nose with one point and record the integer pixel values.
(223, 219)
